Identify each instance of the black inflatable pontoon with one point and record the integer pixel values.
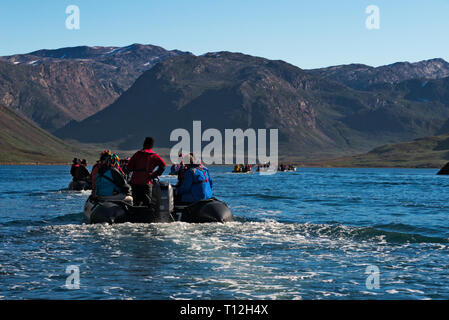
(211, 210)
(120, 212)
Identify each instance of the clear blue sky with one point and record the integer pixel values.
(306, 33)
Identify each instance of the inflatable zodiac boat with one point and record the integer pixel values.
(120, 211)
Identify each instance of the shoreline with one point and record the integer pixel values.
(221, 165)
(35, 164)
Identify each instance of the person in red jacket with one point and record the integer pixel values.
(142, 165)
(75, 168)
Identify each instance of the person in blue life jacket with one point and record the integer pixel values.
(174, 169)
(110, 184)
(196, 184)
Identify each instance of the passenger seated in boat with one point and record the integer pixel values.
(83, 174)
(124, 167)
(74, 169)
(196, 184)
(174, 169)
(183, 168)
(110, 184)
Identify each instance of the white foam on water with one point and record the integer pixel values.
(266, 260)
(392, 291)
(415, 291)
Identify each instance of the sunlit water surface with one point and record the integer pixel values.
(303, 235)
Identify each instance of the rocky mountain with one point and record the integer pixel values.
(53, 94)
(233, 90)
(53, 87)
(360, 77)
(419, 90)
(330, 111)
(119, 65)
(22, 141)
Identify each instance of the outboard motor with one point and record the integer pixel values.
(167, 201)
(159, 211)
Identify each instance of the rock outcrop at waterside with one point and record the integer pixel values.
(444, 170)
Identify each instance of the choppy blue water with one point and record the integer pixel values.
(304, 235)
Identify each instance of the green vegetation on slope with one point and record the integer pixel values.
(428, 152)
(23, 142)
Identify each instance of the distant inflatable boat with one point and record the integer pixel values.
(110, 211)
(288, 170)
(273, 170)
(79, 185)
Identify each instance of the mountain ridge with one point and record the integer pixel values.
(79, 81)
(360, 76)
(234, 90)
(341, 109)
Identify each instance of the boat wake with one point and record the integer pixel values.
(277, 231)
